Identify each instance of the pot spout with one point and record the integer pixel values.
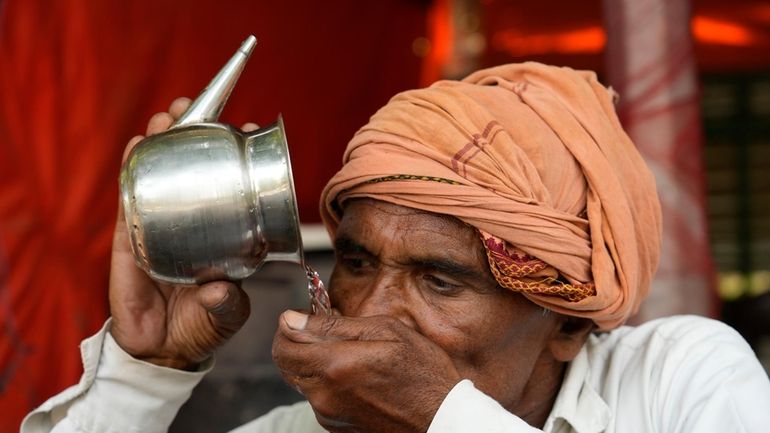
(209, 104)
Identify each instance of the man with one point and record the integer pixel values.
(483, 230)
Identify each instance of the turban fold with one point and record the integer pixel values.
(535, 158)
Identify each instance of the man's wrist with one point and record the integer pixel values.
(176, 364)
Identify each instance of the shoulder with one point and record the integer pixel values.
(676, 367)
(669, 332)
(295, 418)
(674, 343)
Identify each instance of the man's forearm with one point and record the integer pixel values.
(116, 393)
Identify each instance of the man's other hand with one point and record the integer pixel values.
(169, 325)
(371, 374)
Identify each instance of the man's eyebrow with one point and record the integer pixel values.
(345, 243)
(449, 267)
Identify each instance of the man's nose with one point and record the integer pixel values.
(388, 296)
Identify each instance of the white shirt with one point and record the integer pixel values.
(673, 375)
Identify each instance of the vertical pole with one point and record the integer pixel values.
(650, 62)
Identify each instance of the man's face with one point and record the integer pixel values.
(430, 272)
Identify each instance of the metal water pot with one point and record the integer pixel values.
(205, 201)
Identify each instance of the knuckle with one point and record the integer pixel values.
(323, 405)
(336, 371)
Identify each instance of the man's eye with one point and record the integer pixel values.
(440, 285)
(355, 262)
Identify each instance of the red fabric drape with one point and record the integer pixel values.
(79, 78)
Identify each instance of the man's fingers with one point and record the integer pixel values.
(178, 107)
(131, 145)
(331, 359)
(227, 305)
(303, 328)
(159, 122)
(249, 126)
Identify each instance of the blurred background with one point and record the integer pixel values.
(79, 78)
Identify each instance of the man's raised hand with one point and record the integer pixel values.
(169, 325)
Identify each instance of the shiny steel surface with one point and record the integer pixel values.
(209, 104)
(205, 201)
(269, 168)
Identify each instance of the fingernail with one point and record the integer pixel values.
(295, 320)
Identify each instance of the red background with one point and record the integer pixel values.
(78, 78)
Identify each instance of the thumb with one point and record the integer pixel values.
(227, 306)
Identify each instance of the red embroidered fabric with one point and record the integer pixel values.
(518, 271)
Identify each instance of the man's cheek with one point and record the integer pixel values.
(460, 347)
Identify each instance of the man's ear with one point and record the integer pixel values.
(569, 337)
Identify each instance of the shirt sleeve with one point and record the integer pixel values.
(468, 410)
(117, 393)
(297, 418)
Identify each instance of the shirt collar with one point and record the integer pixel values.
(578, 403)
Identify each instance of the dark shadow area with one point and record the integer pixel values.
(751, 317)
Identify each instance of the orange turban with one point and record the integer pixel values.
(531, 155)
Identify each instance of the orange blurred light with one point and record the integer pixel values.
(719, 32)
(441, 33)
(585, 41)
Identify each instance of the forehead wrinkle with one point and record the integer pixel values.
(417, 236)
(440, 224)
